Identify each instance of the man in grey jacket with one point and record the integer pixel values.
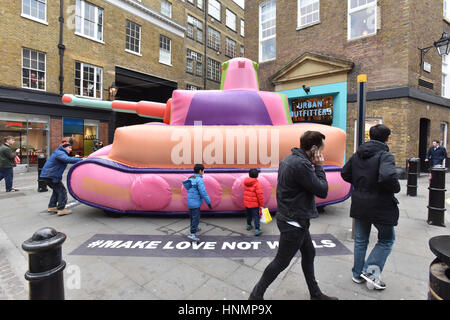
(298, 183)
(7, 162)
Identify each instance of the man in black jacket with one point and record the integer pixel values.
(298, 183)
(437, 154)
(7, 163)
(371, 171)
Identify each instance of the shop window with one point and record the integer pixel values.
(35, 10)
(362, 18)
(83, 132)
(308, 12)
(267, 31)
(89, 20)
(165, 50)
(214, 8)
(230, 19)
(33, 69)
(88, 80)
(133, 37)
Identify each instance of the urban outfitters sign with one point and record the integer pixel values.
(315, 110)
(208, 246)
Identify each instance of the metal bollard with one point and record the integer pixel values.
(42, 186)
(45, 266)
(413, 172)
(439, 286)
(436, 201)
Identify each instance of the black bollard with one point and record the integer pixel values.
(42, 185)
(45, 266)
(413, 172)
(436, 201)
(439, 287)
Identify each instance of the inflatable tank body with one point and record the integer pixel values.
(229, 130)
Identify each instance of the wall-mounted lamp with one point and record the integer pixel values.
(442, 46)
(307, 89)
(112, 91)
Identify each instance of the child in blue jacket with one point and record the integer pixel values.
(196, 193)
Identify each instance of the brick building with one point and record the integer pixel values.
(51, 48)
(323, 45)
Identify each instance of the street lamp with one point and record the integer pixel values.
(113, 90)
(442, 46)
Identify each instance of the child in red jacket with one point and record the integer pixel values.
(253, 199)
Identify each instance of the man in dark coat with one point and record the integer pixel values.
(300, 178)
(7, 162)
(371, 171)
(437, 154)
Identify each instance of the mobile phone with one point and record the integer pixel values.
(313, 151)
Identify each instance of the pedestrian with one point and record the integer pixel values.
(300, 178)
(371, 171)
(196, 194)
(52, 174)
(437, 154)
(7, 163)
(253, 200)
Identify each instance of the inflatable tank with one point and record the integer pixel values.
(229, 130)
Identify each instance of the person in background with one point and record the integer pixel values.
(52, 174)
(7, 163)
(253, 200)
(437, 154)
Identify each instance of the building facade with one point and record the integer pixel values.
(314, 51)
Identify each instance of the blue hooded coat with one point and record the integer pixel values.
(196, 191)
(57, 163)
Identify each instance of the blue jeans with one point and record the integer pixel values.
(377, 258)
(252, 213)
(195, 219)
(7, 173)
(59, 195)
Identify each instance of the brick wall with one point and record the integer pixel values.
(55, 132)
(103, 132)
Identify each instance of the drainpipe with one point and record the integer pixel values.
(206, 44)
(61, 46)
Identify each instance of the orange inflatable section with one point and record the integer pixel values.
(178, 147)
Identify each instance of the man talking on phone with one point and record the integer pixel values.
(300, 178)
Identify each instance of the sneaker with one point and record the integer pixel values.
(199, 229)
(12, 190)
(193, 237)
(51, 210)
(249, 227)
(64, 212)
(358, 280)
(258, 232)
(373, 282)
(323, 297)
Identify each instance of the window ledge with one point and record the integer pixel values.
(87, 97)
(446, 20)
(34, 19)
(308, 25)
(268, 60)
(165, 63)
(87, 37)
(362, 37)
(35, 89)
(135, 53)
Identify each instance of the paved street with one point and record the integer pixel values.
(205, 278)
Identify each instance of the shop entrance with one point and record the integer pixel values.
(83, 133)
(424, 136)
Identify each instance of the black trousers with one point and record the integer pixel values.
(292, 239)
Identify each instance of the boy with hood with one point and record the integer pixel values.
(196, 193)
(371, 171)
(253, 200)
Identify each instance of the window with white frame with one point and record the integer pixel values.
(35, 9)
(362, 18)
(88, 80)
(242, 51)
(308, 12)
(194, 62)
(213, 39)
(165, 55)
(166, 8)
(213, 70)
(133, 37)
(33, 69)
(267, 31)
(446, 76)
(214, 9)
(192, 87)
(200, 4)
(242, 28)
(89, 20)
(447, 9)
(230, 48)
(191, 1)
(230, 20)
(194, 29)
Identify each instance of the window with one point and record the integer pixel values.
(242, 28)
(194, 62)
(191, 1)
(267, 31)
(200, 4)
(308, 12)
(230, 48)
(192, 87)
(213, 70)
(214, 9)
(133, 37)
(35, 9)
(446, 76)
(230, 20)
(89, 20)
(164, 50)
(242, 51)
(190, 30)
(166, 8)
(447, 9)
(33, 69)
(362, 18)
(213, 39)
(88, 80)
(444, 130)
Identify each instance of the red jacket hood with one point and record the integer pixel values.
(249, 182)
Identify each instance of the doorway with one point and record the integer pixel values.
(424, 137)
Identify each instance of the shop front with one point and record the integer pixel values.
(83, 132)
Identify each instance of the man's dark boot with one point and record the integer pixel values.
(323, 297)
